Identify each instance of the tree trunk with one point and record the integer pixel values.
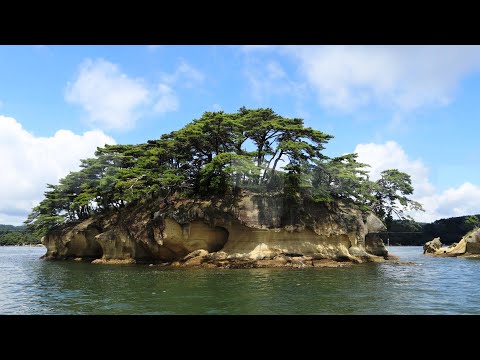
(276, 161)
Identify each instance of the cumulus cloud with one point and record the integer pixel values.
(407, 77)
(404, 77)
(29, 163)
(111, 98)
(392, 156)
(463, 200)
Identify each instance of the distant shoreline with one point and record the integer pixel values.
(399, 245)
(26, 245)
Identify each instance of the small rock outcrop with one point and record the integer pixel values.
(473, 242)
(252, 231)
(469, 245)
(432, 246)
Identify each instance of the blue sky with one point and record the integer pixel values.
(409, 107)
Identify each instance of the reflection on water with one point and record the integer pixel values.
(431, 286)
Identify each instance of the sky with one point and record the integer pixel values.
(414, 108)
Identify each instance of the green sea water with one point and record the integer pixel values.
(29, 285)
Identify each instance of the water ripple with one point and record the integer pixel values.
(431, 286)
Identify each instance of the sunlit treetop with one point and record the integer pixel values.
(216, 156)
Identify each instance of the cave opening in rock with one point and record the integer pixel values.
(221, 235)
(197, 235)
(95, 252)
(82, 245)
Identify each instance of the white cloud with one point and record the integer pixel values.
(463, 200)
(113, 100)
(404, 77)
(392, 156)
(167, 100)
(30, 162)
(185, 75)
(217, 107)
(110, 97)
(153, 47)
(267, 79)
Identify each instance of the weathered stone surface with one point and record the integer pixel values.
(457, 250)
(117, 245)
(358, 252)
(375, 246)
(469, 245)
(216, 256)
(374, 224)
(196, 261)
(432, 246)
(280, 260)
(196, 253)
(114, 261)
(238, 234)
(473, 242)
(77, 241)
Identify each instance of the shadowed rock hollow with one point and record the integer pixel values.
(254, 229)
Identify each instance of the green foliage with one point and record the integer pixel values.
(341, 178)
(16, 235)
(216, 155)
(450, 230)
(390, 196)
(408, 232)
(472, 221)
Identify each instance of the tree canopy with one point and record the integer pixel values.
(217, 155)
(16, 235)
(473, 221)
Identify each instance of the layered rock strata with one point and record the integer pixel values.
(250, 231)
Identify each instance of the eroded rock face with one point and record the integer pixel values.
(75, 242)
(374, 245)
(255, 228)
(469, 245)
(432, 246)
(473, 242)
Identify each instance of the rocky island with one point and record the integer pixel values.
(213, 194)
(249, 233)
(468, 246)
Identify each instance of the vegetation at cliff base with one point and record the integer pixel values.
(16, 235)
(218, 155)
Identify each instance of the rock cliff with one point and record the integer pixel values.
(252, 230)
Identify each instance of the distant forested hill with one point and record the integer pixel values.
(404, 232)
(16, 235)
